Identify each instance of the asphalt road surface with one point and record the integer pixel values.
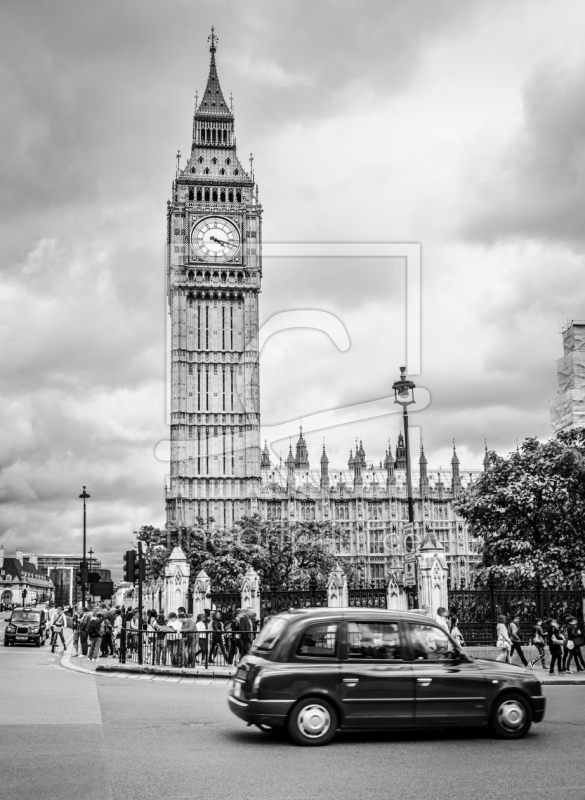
(68, 735)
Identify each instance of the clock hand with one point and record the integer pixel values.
(219, 241)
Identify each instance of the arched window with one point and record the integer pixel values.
(208, 276)
(231, 196)
(190, 276)
(201, 159)
(214, 195)
(190, 194)
(225, 137)
(208, 135)
(240, 277)
(216, 276)
(199, 194)
(199, 275)
(214, 160)
(228, 161)
(236, 172)
(192, 169)
(213, 135)
(222, 195)
(222, 171)
(232, 276)
(206, 170)
(239, 196)
(223, 277)
(207, 194)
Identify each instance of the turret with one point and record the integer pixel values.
(350, 461)
(424, 478)
(324, 469)
(302, 457)
(455, 476)
(486, 460)
(265, 460)
(290, 468)
(400, 462)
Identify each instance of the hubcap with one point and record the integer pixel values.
(511, 715)
(314, 721)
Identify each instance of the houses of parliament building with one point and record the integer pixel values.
(219, 471)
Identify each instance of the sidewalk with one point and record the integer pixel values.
(111, 668)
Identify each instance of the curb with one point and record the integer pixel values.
(175, 672)
(66, 663)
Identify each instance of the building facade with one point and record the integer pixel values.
(22, 581)
(218, 473)
(567, 409)
(62, 570)
(214, 270)
(370, 503)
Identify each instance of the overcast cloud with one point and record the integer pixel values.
(459, 125)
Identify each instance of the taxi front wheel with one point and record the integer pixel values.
(511, 716)
(312, 722)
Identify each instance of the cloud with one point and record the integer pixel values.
(536, 189)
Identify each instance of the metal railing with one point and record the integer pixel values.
(188, 649)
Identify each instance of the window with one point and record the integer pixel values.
(192, 169)
(430, 643)
(199, 195)
(319, 640)
(376, 541)
(201, 159)
(374, 640)
(270, 633)
(191, 196)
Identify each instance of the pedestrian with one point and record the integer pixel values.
(58, 624)
(245, 624)
(173, 639)
(117, 633)
(538, 642)
(441, 618)
(77, 620)
(217, 638)
(455, 632)
(83, 633)
(201, 645)
(516, 640)
(234, 637)
(503, 641)
(555, 646)
(189, 634)
(95, 631)
(573, 646)
(161, 633)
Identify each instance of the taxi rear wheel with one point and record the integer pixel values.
(312, 722)
(511, 716)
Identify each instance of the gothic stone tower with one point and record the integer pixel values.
(214, 272)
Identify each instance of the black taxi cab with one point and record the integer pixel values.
(26, 626)
(321, 670)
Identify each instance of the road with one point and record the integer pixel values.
(66, 735)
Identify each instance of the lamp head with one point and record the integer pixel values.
(403, 389)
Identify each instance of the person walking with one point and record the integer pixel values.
(245, 625)
(555, 645)
(201, 647)
(538, 642)
(173, 639)
(95, 631)
(441, 618)
(77, 619)
(455, 632)
(574, 643)
(234, 637)
(58, 624)
(217, 638)
(516, 640)
(503, 641)
(189, 633)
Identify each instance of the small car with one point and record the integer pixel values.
(320, 670)
(26, 626)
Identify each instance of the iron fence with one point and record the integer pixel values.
(371, 596)
(280, 601)
(226, 603)
(185, 649)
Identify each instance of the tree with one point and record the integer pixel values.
(284, 555)
(529, 509)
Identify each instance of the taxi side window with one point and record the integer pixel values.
(430, 643)
(319, 640)
(374, 640)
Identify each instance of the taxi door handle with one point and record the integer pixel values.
(424, 681)
(351, 681)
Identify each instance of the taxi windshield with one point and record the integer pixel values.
(26, 616)
(270, 633)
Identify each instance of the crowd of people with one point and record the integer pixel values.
(176, 639)
(564, 643)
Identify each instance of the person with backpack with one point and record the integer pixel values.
(95, 630)
(83, 634)
(58, 624)
(573, 646)
(538, 642)
(77, 620)
(556, 641)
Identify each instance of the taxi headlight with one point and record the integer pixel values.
(10, 629)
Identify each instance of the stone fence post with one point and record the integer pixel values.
(200, 593)
(337, 596)
(177, 571)
(250, 592)
(396, 599)
(432, 575)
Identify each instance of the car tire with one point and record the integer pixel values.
(511, 716)
(312, 722)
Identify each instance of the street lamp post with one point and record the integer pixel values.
(84, 496)
(404, 396)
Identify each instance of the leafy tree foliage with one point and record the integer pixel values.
(285, 556)
(529, 509)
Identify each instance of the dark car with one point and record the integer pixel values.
(26, 626)
(321, 670)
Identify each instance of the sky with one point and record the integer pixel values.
(458, 125)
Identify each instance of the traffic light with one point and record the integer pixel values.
(81, 575)
(130, 566)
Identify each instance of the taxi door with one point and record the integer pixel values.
(377, 683)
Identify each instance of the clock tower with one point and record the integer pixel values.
(214, 269)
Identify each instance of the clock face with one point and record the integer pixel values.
(215, 239)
